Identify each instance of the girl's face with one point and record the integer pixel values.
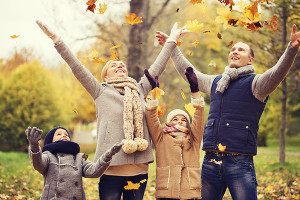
(116, 69)
(180, 120)
(60, 134)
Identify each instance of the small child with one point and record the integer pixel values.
(62, 165)
(177, 145)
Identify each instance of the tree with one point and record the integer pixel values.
(27, 98)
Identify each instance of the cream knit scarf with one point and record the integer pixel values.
(132, 114)
(231, 74)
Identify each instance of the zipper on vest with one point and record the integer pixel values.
(221, 111)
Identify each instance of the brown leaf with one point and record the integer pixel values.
(219, 36)
(230, 43)
(273, 23)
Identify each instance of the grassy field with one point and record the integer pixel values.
(18, 180)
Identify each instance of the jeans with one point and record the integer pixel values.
(112, 187)
(235, 172)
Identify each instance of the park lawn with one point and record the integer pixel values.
(18, 180)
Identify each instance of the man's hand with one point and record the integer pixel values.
(295, 37)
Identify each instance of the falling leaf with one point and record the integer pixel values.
(227, 2)
(85, 157)
(273, 23)
(190, 108)
(132, 186)
(114, 56)
(114, 47)
(103, 8)
(251, 17)
(212, 64)
(99, 60)
(157, 93)
(195, 43)
(221, 147)
(177, 10)
(91, 5)
(219, 36)
(178, 43)
(182, 94)
(216, 162)
(14, 36)
(230, 43)
(140, 42)
(194, 25)
(95, 53)
(195, 1)
(133, 19)
(161, 110)
(241, 5)
(206, 31)
(75, 111)
(225, 17)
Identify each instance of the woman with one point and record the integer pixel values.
(120, 110)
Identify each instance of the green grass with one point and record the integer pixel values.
(20, 181)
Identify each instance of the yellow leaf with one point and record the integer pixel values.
(195, 1)
(103, 8)
(133, 19)
(182, 94)
(143, 181)
(132, 186)
(14, 36)
(190, 108)
(157, 93)
(99, 60)
(114, 47)
(221, 147)
(194, 25)
(161, 110)
(114, 56)
(195, 43)
(95, 53)
(241, 5)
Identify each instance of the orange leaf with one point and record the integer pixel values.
(230, 43)
(157, 93)
(91, 5)
(14, 36)
(178, 43)
(221, 147)
(161, 110)
(206, 31)
(133, 19)
(114, 56)
(132, 186)
(114, 47)
(182, 94)
(99, 60)
(102, 9)
(273, 24)
(195, 1)
(195, 43)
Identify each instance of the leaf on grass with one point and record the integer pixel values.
(194, 25)
(14, 36)
(157, 93)
(190, 108)
(91, 5)
(114, 47)
(273, 23)
(212, 64)
(195, 43)
(161, 110)
(132, 186)
(103, 8)
(221, 147)
(133, 19)
(219, 36)
(195, 1)
(182, 94)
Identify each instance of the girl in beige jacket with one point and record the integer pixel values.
(177, 144)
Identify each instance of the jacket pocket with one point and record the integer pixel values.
(194, 175)
(162, 177)
(236, 133)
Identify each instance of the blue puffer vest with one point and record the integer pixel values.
(233, 117)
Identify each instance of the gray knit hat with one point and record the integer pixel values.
(175, 112)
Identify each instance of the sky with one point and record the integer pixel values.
(68, 18)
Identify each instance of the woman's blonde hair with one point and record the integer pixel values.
(104, 70)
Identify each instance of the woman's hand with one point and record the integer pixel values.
(50, 33)
(176, 33)
(161, 37)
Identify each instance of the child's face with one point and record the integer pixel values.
(60, 134)
(180, 120)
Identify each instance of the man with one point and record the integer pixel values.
(238, 98)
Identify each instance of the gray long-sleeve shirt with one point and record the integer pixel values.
(262, 85)
(109, 105)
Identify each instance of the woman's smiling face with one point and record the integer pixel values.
(116, 69)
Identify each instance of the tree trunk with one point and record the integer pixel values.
(284, 93)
